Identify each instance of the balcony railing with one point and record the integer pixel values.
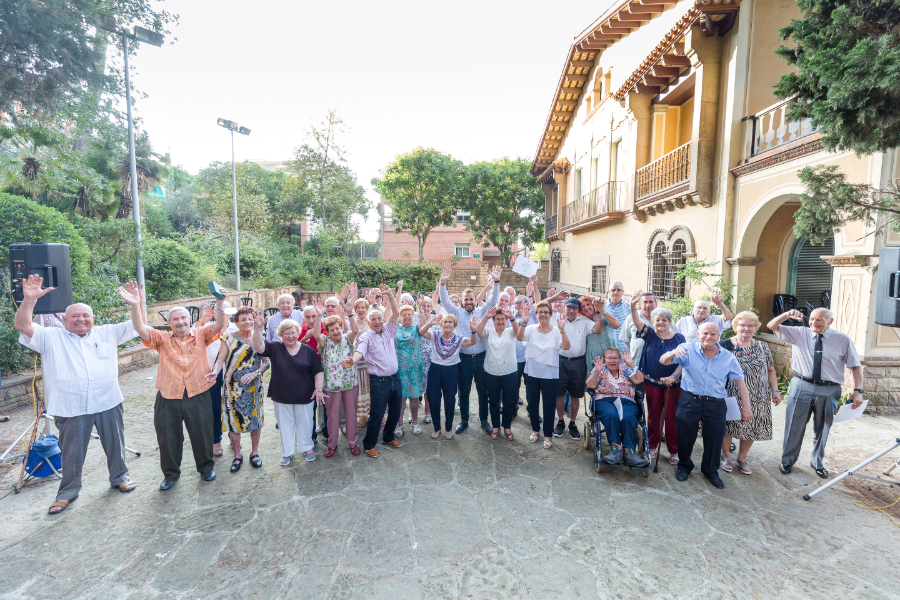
(771, 129)
(597, 205)
(665, 172)
(550, 225)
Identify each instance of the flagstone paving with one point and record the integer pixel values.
(466, 518)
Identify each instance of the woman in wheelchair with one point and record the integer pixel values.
(613, 381)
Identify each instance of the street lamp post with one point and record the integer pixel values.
(232, 127)
(108, 23)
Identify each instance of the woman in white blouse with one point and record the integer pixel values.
(501, 371)
(544, 341)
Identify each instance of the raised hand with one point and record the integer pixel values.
(259, 319)
(384, 289)
(626, 356)
(508, 313)
(399, 287)
(529, 287)
(795, 314)
(303, 304)
(473, 324)
(599, 305)
(496, 272)
(492, 311)
(206, 313)
(319, 305)
(131, 293)
(445, 276)
(679, 352)
(551, 292)
(345, 292)
(562, 322)
(636, 298)
(354, 291)
(598, 362)
(370, 296)
(717, 298)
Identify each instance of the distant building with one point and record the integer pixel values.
(270, 165)
(442, 244)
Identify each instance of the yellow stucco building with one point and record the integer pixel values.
(664, 141)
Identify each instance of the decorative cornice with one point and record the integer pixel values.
(676, 192)
(778, 157)
(865, 261)
(744, 261)
(674, 34)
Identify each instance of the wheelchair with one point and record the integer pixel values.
(592, 435)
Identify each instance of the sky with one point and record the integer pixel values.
(473, 79)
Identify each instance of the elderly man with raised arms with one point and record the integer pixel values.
(81, 385)
(182, 397)
(702, 313)
(705, 368)
(818, 358)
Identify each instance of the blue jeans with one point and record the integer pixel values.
(622, 432)
(692, 410)
(502, 391)
(535, 389)
(442, 380)
(384, 393)
(471, 366)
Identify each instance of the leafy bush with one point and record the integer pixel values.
(172, 271)
(415, 276)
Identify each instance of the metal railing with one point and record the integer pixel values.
(770, 128)
(594, 205)
(666, 171)
(550, 225)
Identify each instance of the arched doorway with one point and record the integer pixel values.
(808, 275)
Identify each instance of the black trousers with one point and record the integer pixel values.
(442, 382)
(503, 397)
(215, 398)
(385, 393)
(541, 394)
(692, 410)
(195, 413)
(471, 366)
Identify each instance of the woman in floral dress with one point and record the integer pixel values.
(341, 380)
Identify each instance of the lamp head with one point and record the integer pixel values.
(243, 130)
(107, 22)
(147, 36)
(227, 124)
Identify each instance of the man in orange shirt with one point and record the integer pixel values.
(183, 392)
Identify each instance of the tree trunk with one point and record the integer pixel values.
(422, 239)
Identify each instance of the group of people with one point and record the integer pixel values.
(363, 358)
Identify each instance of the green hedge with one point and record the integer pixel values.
(422, 277)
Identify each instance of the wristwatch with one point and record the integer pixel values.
(258, 373)
(858, 390)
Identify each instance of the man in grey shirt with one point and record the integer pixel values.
(471, 365)
(628, 333)
(818, 358)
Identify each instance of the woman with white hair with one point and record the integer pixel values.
(661, 382)
(295, 387)
(762, 388)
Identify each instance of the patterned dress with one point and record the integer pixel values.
(409, 360)
(363, 401)
(337, 378)
(755, 362)
(242, 405)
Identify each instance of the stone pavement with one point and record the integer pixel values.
(467, 518)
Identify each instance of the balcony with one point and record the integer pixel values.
(666, 176)
(550, 230)
(597, 206)
(769, 138)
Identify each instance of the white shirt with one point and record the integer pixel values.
(212, 351)
(577, 332)
(500, 357)
(542, 352)
(628, 336)
(688, 326)
(81, 374)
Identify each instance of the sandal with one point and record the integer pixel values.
(509, 435)
(495, 434)
(428, 418)
(534, 437)
(744, 467)
(547, 444)
(256, 462)
(217, 451)
(726, 464)
(126, 486)
(61, 504)
(236, 464)
(416, 429)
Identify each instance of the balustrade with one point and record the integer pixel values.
(665, 172)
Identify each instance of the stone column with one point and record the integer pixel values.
(743, 272)
(706, 58)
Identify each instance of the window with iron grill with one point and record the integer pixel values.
(598, 280)
(555, 261)
(662, 268)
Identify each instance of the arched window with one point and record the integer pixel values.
(666, 251)
(658, 272)
(676, 258)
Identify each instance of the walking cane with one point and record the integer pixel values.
(662, 421)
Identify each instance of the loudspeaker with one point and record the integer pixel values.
(50, 261)
(887, 295)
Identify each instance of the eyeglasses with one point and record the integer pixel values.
(543, 312)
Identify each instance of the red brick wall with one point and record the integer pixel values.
(440, 245)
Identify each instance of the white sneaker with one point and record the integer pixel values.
(416, 429)
(318, 429)
(285, 460)
(398, 432)
(344, 429)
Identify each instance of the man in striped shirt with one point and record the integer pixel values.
(183, 392)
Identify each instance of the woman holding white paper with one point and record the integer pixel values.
(762, 387)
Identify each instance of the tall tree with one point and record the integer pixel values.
(504, 202)
(421, 188)
(216, 203)
(324, 187)
(847, 82)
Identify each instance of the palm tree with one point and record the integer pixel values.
(151, 170)
(23, 154)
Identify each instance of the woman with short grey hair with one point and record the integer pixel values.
(661, 382)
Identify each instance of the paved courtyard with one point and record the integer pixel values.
(467, 518)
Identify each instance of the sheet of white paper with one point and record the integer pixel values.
(733, 412)
(618, 404)
(845, 413)
(525, 267)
